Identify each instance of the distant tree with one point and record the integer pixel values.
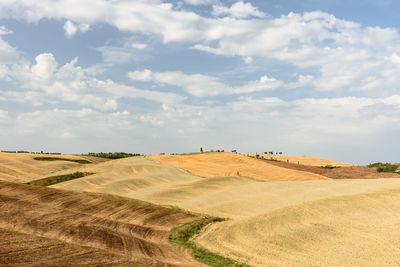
(234, 151)
(201, 150)
(280, 153)
(271, 153)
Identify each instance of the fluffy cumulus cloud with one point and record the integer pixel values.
(238, 10)
(71, 28)
(200, 85)
(312, 40)
(45, 82)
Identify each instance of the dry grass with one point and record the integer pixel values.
(354, 230)
(349, 172)
(228, 164)
(306, 160)
(321, 222)
(21, 167)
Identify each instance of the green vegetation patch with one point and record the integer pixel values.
(80, 161)
(329, 167)
(59, 178)
(384, 167)
(181, 236)
(114, 155)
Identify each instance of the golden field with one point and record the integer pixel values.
(277, 215)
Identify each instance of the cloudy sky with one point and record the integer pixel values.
(148, 76)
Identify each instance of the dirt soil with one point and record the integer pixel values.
(352, 172)
(46, 226)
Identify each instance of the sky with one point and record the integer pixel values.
(307, 77)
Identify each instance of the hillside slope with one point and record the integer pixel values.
(98, 229)
(353, 230)
(229, 164)
(22, 167)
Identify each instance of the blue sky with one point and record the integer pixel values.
(303, 77)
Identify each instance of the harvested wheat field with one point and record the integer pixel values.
(284, 219)
(123, 176)
(229, 164)
(44, 226)
(322, 215)
(344, 172)
(351, 230)
(22, 167)
(305, 160)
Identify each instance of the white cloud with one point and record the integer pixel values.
(341, 125)
(71, 28)
(4, 30)
(44, 82)
(138, 46)
(239, 10)
(202, 85)
(84, 27)
(8, 54)
(199, 2)
(45, 67)
(3, 116)
(141, 76)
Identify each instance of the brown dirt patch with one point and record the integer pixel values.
(352, 172)
(135, 231)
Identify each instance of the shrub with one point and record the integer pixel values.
(329, 167)
(384, 167)
(114, 155)
(59, 178)
(80, 161)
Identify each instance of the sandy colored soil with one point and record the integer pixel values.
(63, 227)
(17, 249)
(321, 222)
(306, 160)
(349, 172)
(353, 230)
(229, 164)
(276, 223)
(21, 167)
(124, 176)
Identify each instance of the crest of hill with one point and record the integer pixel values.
(22, 167)
(230, 164)
(306, 160)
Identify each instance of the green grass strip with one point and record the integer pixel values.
(80, 161)
(59, 178)
(181, 236)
